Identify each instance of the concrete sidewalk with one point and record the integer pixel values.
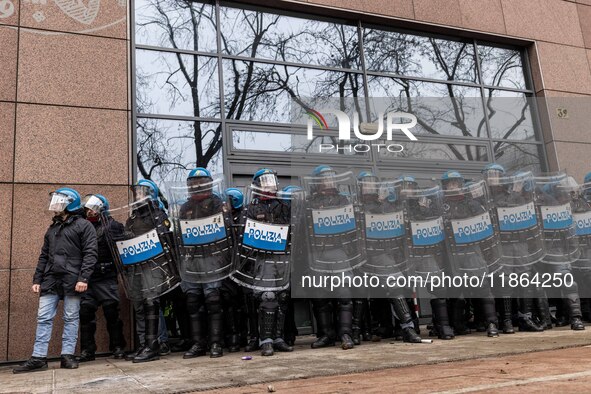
(172, 374)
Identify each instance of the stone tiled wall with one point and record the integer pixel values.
(64, 110)
(64, 120)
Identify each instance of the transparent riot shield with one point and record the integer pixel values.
(144, 254)
(474, 246)
(262, 260)
(554, 197)
(335, 234)
(520, 232)
(203, 231)
(426, 237)
(382, 215)
(582, 217)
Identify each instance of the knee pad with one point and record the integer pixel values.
(213, 302)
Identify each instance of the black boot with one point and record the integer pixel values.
(85, 356)
(118, 353)
(198, 324)
(151, 350)
(490, 316)
(400, 308)
(114, 328)
(233, 335)
(32, 365)
(574, 308)
(458, 323)
(291, 330)
(346, 323)
(526, 322)
(507, 315)
(279, 343)
(267, 323)
(253, 323)
(267, 349)
(441, 318)
(543, 311)
(215, 315)
(325, 325)
(357, 316)
(68, 361)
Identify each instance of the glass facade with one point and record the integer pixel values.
(208, 72)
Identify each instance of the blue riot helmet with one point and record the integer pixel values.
(266, 180)
(368, 183)
(408, 182)
(587, 178)
(199, 182)
(145, 188)
(64, 199)
(95, 204)
(326, 182)
(199, 172)
(452, 180)
(492, 172)
(236, 197)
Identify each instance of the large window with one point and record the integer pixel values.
(212, 72)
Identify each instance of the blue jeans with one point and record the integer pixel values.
(47, 310)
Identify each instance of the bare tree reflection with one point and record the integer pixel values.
(262, 91)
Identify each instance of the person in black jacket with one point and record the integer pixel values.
(104, 289)
(65, 265)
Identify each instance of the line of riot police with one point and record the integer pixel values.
(230, 262)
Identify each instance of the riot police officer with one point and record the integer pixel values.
(146, 258)
(205, 260)
(555, 206)
(385, 235)
(477, 254)
(262, 262)
(336, 246)
(521, 241)
(427, 251)
(103, 290)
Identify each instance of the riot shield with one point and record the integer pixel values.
(335, 234)
(474, 246)
(203, 231)
(426, 237)
(520, 232)
(144, 254)
(554, 208)
(262, 259)
(582, 217)
(382, 215)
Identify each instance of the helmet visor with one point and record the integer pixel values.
(452, 183)
(141, 192)
(93, 203)
(327, 180)
(58, 202)
(493, 176)
(201, 185)
(268, 182)
(369, 185)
